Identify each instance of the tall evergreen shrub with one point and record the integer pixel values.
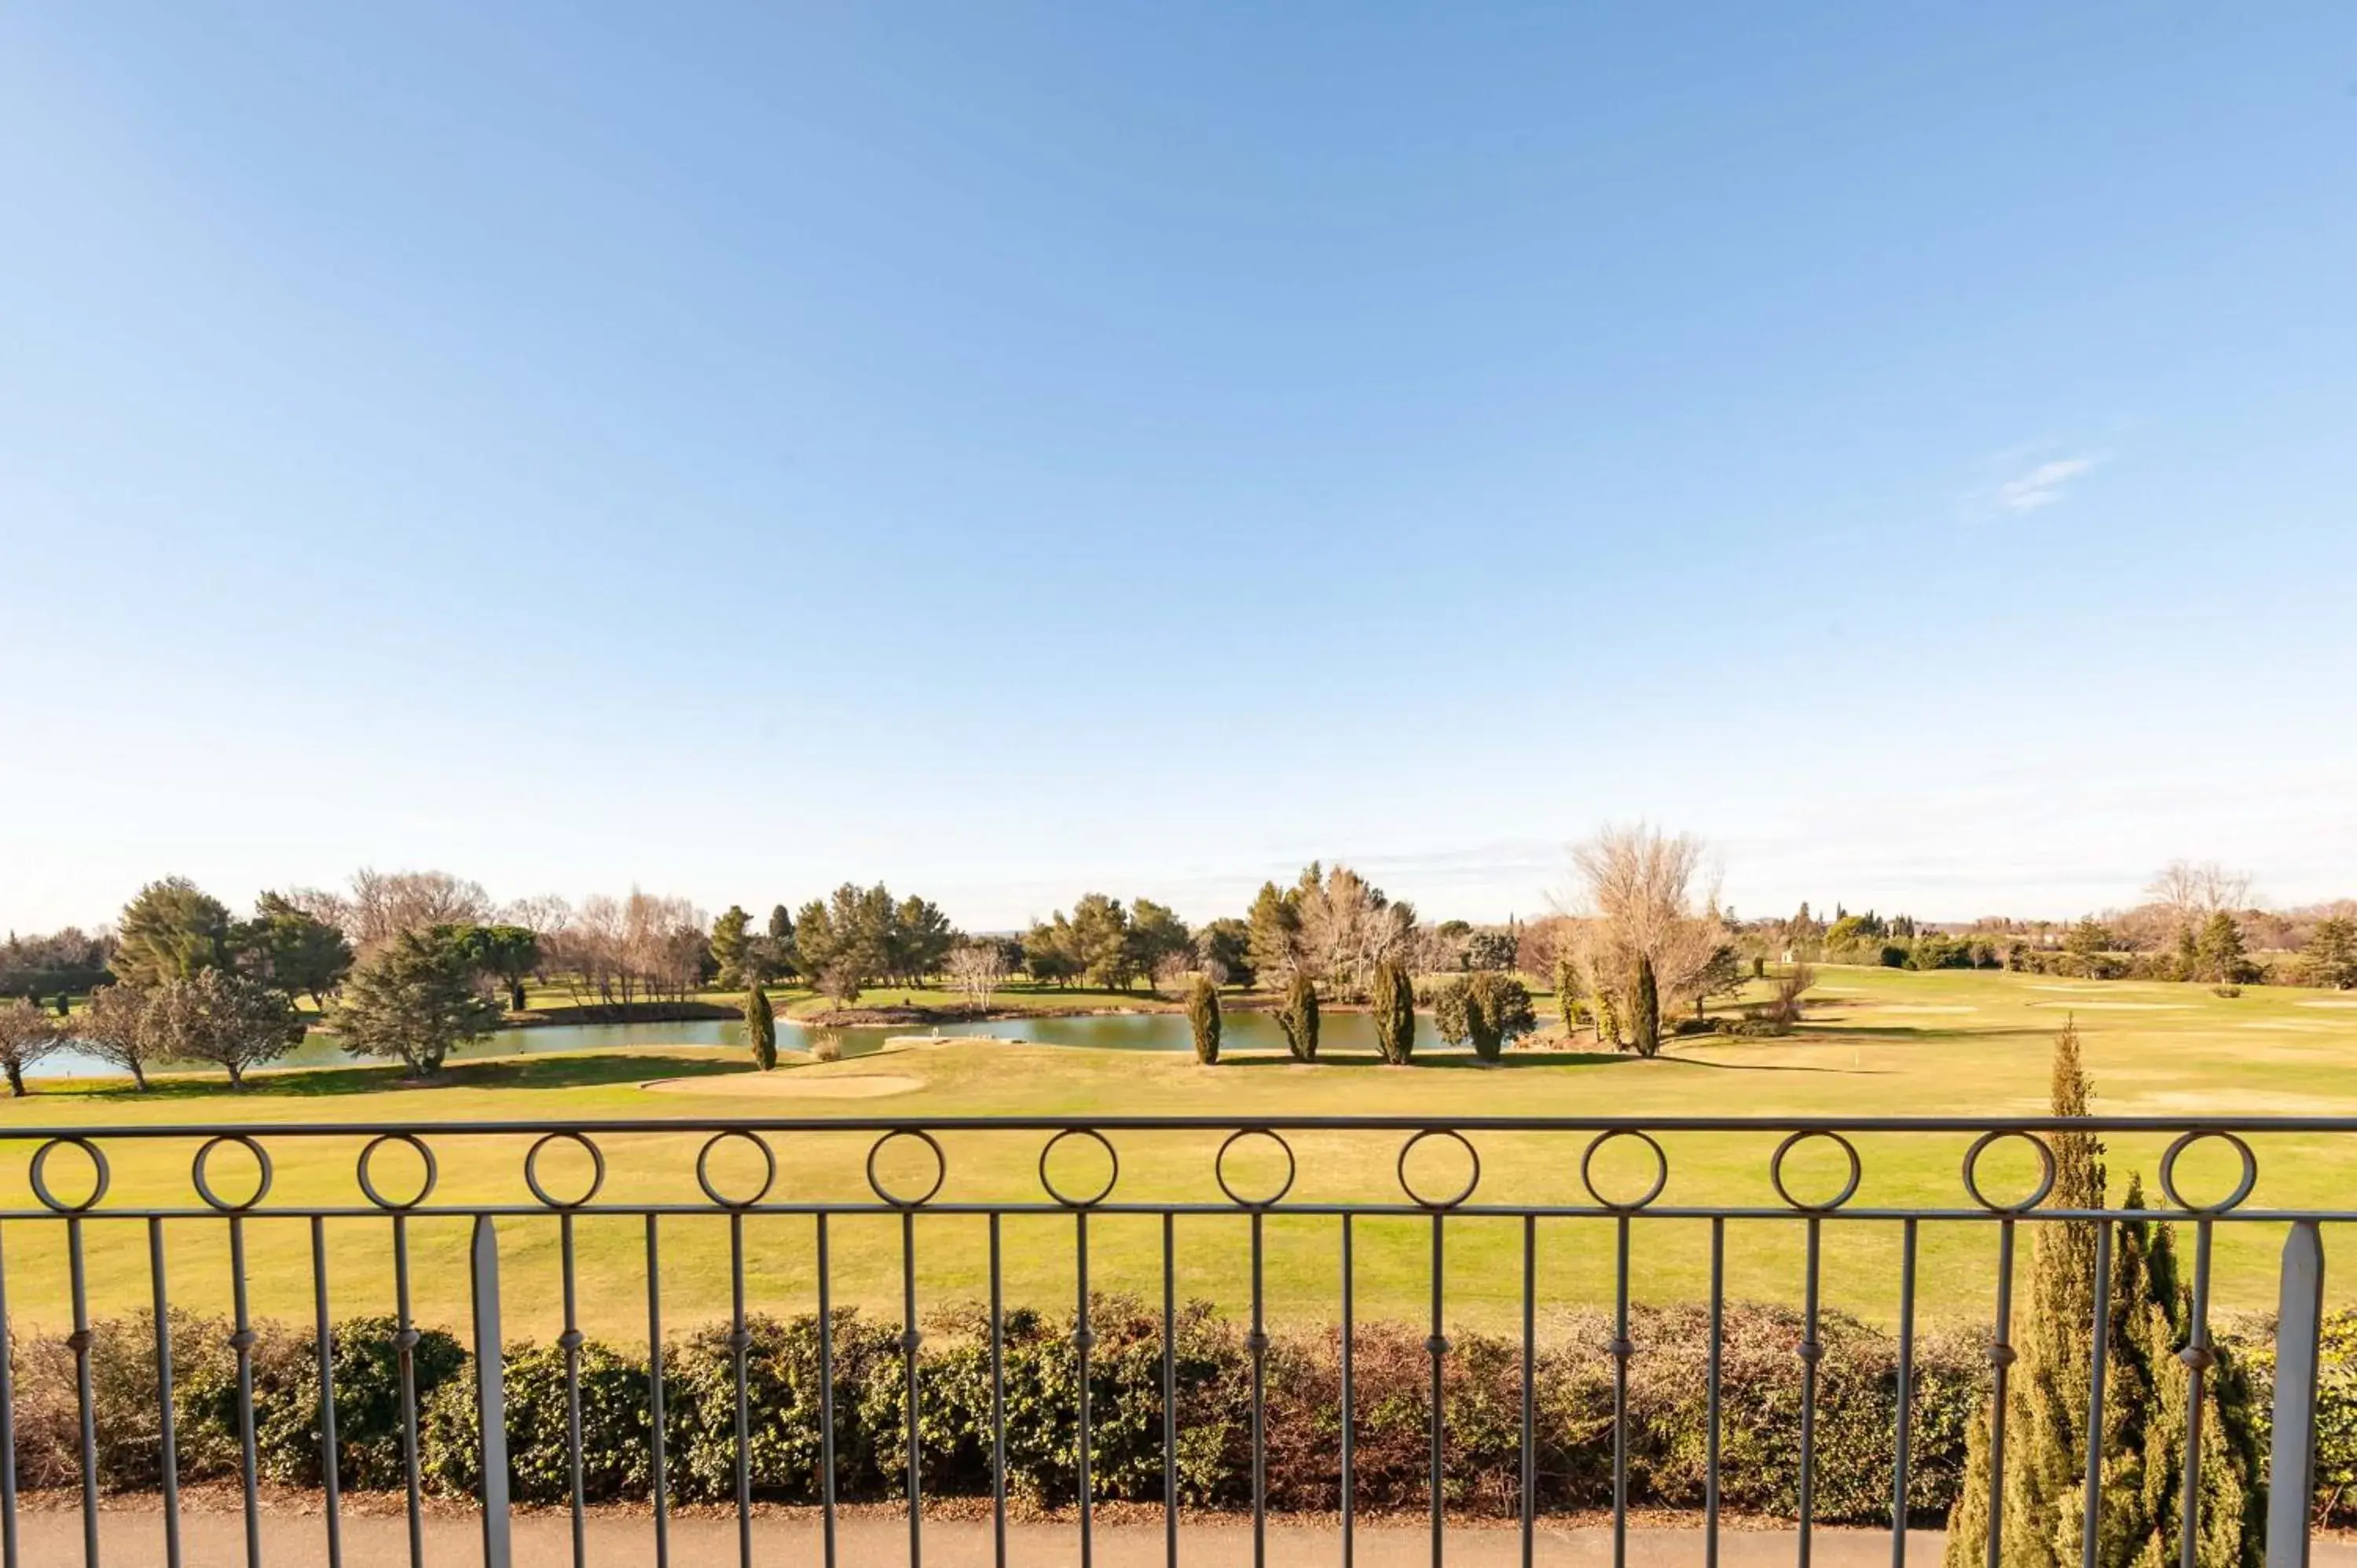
(1297, 1017)
(1646, 1011)
(2145, 1393)
(1394, 1008)
(761, 1028)
(1203, 1018)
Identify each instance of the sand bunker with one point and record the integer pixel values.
(796, 1083)
(2115, 1006)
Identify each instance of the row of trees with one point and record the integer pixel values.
(2198, 921)
(1487, 1010)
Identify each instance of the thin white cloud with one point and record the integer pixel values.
(2042, 485)
(2015, 491)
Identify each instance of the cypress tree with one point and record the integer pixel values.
(2145, 1392)
(1567, 993)
(1394, 1010)
(1646, 1011)
(1204, 1017)
(1608, 1021)
(1297, 1017)
(761, 1029)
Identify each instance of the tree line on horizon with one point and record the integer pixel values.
(410, 964)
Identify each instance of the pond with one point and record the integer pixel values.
(1119, 1032)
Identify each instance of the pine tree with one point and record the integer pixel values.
(761, 1029)
(1297, 1017)
(2331, 953)
(2220, 948)
(1394, 1008)
(1203, 1018)
(2145, 1392)
(730, 943)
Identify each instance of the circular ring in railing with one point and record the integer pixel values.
(941, 1168)
(2045, 1171)
(703, 1172)
(426, 1157)
(205, 1187)
(1113, 1175)
(40, 1173)
(2233, 1199)
(1471, 1180)
(531, 1170)
(1219, 1168)
(1776, 1170)
(1661, 1171)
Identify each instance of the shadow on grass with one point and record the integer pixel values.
(1467, 1061)
(1915, 1035)
(555, 1070)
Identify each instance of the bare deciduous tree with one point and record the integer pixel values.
(381, 905)
(978, 969)
(1649, 937)
(1347, 925)
(616, 951)
(2193, 893)
(1173, 967)
(1784, 1009)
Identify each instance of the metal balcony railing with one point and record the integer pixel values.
(87, 1194)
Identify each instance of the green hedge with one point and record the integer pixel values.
(1481, 1398)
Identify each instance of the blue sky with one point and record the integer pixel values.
(1013, 449)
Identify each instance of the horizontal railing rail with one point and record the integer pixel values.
(85, 1186)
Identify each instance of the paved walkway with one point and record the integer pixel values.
(133, 1539)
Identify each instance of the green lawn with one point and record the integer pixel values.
(1879, 1043)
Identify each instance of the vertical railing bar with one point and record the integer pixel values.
(1621, 1350)
(1082, 1342)
(998, 1399)
(80, 1344)
(1258, 1344)
(1711, 1393)
(490, 1391)
(332, 1461)
(659, 1473)
(1811, 1351)
(166, 1433)
(741, 1341)
(1350, 1405)
(2197, 1357)
(2001, 1364)
(825, 1398)
(1530, 1371)
(2098, 1369)
(908, 1341)
(2291, 1466)
(405, 1345)
(249, 1455)
(576, 1481)
(1170, 1390)
(1437, 1344)
(8, 1425)
(1902, 1439)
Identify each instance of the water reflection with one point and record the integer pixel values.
(1120, 1032)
